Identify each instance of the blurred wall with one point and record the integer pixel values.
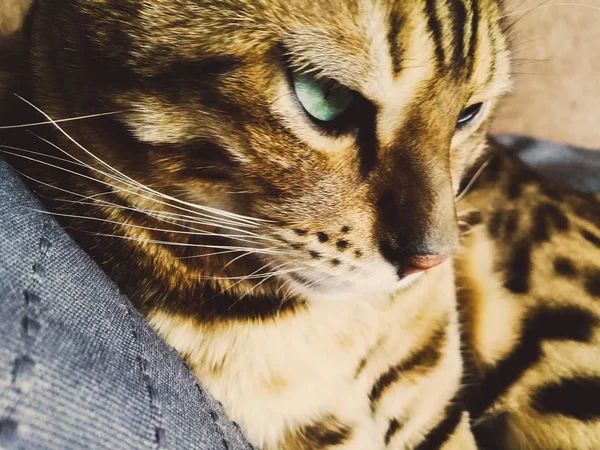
(557, 72)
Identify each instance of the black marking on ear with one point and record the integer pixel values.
(314, 254)
(592, 282)
(323, 434)
(545, 216)
(591, 238)
(577, 397)
(435, 29)
(300, 231)
(323, 237)
(438, 436)
(563, 324)
(395, 24)
(519, 268)
(345, 229)
(342, 244)
(393, 427)
(564, 266)
(424, 360)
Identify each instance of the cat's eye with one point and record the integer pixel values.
(468, 114)
(323, 99)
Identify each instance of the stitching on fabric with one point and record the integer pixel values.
(213, 414)
(24, 365)
(235, 424)
(159, 432)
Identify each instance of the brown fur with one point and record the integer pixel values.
(270, 252)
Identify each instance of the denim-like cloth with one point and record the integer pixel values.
(79, 367)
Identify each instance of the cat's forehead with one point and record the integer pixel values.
(383, 49)
(350, 29)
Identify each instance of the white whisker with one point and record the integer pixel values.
(141, 227)
(474, 179)
(249, 220)
(142, 187)
(268, 251)
(70, 119)
(215, 224)
(466, 212)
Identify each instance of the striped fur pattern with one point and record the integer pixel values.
(271, 251)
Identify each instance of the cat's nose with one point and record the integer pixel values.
(419, 263)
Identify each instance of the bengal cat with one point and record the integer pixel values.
(279, 186)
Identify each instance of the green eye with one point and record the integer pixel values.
(325, 100)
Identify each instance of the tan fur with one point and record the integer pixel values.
(12, 13)
(276, 253)
(242, 364)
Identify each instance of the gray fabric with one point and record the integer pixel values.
(571, 167)
(79, 367)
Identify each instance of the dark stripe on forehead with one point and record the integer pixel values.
(493, 58)
(459, 22)
(395, 25)
(435, 28)
(473, 38)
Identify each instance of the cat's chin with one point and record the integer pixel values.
(345, 290)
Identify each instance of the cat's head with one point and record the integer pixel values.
(345, 126)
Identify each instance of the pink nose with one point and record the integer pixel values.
(420, 263)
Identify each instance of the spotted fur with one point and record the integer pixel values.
(525, 279)
(282, 259)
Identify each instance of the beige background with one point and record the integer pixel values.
(557, 68)
(558, 96)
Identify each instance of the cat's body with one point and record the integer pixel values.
(276, 228)
(352, 375)
(528, 285)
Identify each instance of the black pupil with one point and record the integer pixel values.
(467, 114)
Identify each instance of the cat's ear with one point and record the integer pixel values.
(12, 13)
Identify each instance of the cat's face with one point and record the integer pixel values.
(347, 125)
